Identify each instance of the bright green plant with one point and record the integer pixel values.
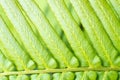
(59, 40)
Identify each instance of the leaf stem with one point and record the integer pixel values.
(59, 70)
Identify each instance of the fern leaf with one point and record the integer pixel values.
(59, 40)
(94, 28)
(58, 48)
(109, 20)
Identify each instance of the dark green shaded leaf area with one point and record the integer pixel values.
(59, 39)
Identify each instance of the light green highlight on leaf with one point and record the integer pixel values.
(53, 42)
(18, 56)
(31, 43)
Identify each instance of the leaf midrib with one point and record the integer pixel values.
(60, 70)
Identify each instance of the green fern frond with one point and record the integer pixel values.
(59, 40)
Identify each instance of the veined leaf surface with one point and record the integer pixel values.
(59, 40)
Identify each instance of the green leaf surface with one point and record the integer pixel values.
(109, 19)
(78, 42)
(58, 47)
(94, 28)
(34, 47)
(59, 40)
